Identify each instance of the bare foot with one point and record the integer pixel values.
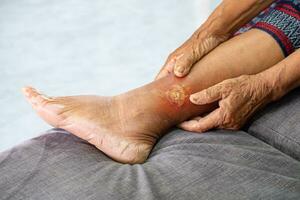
(121, 131)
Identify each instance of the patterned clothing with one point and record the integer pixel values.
(282, 21)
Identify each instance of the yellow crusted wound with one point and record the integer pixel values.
(176, 95)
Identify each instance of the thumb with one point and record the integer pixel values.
(184, 64)
(201, 125)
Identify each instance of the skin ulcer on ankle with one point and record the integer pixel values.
(177, 95)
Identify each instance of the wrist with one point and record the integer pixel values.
(272, 80)
(230, 16)
(215, 27)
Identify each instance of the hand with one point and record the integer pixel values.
(182, 59)
(225, 20)
(238, 99)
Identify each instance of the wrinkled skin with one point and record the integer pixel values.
(182, 59)
(226, 19)
(98, 120)
(238, 99)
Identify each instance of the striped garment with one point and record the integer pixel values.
(282, 21)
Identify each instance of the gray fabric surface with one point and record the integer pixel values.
(215, 165)
(279, 124)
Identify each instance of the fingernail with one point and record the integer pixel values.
(181, 125)
(193, 98)
(179, 70)
(194, 125)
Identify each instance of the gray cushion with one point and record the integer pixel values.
(279, 124)
(215, 165)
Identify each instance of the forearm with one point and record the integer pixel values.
(226, 19)
(230, 15)
(284, 76)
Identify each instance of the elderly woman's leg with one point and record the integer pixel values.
(126, 127)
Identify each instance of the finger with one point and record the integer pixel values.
(208, 122)
(186, 124)
(184, 64)
(207, 96)
(166, 69)
(183, 124)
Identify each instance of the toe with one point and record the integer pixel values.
(46, 107)
(34, 97)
